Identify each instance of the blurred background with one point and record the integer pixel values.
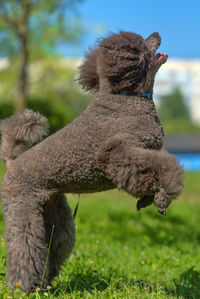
(43, 43)
(119, 253)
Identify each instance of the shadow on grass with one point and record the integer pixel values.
(173, 230)
(84, 283)
(189, 284)
(187, 287)
(161, 230)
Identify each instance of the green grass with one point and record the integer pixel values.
(122, 253)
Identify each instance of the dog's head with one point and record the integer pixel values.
(126, 61)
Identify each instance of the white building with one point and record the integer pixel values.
(184, 74)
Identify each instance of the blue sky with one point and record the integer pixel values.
(178, 23)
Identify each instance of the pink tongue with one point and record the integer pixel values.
(160, 56)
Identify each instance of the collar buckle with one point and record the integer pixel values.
(143, 94)
(146, 95)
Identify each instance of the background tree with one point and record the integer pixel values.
(172, 106)
(175, 115)
(30, 28)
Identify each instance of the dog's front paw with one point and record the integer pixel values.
(161, 201)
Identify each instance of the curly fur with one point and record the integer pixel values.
(89, 78)
(19, 132)
(125, 57)
(141, 171)
(115, 142)
(124, 61)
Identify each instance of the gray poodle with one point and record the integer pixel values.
(115, 142)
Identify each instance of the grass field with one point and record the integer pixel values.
(122, 253)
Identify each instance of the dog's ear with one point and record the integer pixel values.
(153, 42)
(124, 61)
(89, 78)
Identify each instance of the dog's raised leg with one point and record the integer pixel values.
(152, 175)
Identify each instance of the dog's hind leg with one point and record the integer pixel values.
(154, 176)
(59, 223)
(27, 233)
(28, 228)
(27, 243)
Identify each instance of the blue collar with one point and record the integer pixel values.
(143, 94)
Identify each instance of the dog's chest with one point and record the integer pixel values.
(146, 131)
(154, 141)
(152, 133)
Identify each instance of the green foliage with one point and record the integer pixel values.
(6, 109)
(122, 253)
(30, 29)
(180, 127)
(175, 116)
(172, 106)
(50, 23)
(54, 91)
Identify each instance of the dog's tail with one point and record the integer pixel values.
(20, 132)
